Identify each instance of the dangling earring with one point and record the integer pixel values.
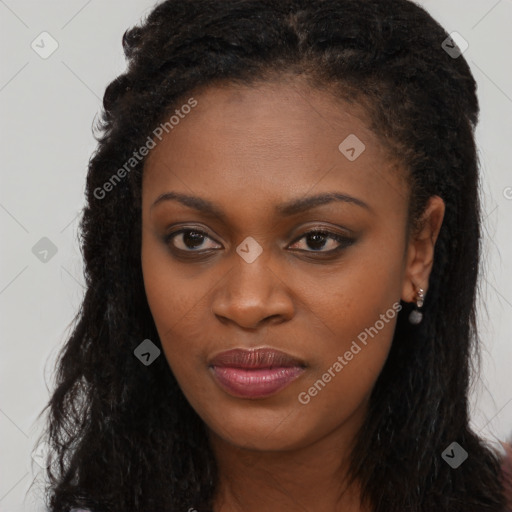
(416, 316)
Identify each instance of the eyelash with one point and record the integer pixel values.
(342, 240)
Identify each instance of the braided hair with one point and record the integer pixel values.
(124, 438)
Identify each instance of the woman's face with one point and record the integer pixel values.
(252, 172)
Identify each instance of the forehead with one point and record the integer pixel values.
(280, 139)
(266, 117)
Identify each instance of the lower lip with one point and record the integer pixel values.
(256, 383)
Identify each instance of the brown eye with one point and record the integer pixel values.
(317, 240)
(189, 240)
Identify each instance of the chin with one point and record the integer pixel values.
(262, 430)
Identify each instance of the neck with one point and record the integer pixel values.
(312, 477)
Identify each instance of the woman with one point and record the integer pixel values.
(281, 243)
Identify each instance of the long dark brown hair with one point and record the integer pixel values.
(122, 435)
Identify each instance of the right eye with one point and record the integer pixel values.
(189, 240)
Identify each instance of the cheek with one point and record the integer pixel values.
(357, 311)
(172, 292)
(178, 325)
(170, 297)
(350, 358)
(346, 374)
(356, 297)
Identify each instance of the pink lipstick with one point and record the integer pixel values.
(256, 373)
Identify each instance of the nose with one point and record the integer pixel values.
(252, 294)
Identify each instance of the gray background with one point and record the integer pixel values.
(47, 109)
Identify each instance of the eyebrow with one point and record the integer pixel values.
(289, 208)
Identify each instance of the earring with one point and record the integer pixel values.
(416, 316)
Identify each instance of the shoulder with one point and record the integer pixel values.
(506, 471)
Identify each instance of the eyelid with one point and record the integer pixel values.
(342, 239)
(317, 228)
(331, 229)
(168, 237)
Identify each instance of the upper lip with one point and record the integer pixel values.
(255, 358)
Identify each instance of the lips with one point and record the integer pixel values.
(256, 373)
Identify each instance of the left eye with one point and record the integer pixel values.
(318, 240)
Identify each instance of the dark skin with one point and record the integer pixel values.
(248, 150)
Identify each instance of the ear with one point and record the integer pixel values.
(420, 250)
